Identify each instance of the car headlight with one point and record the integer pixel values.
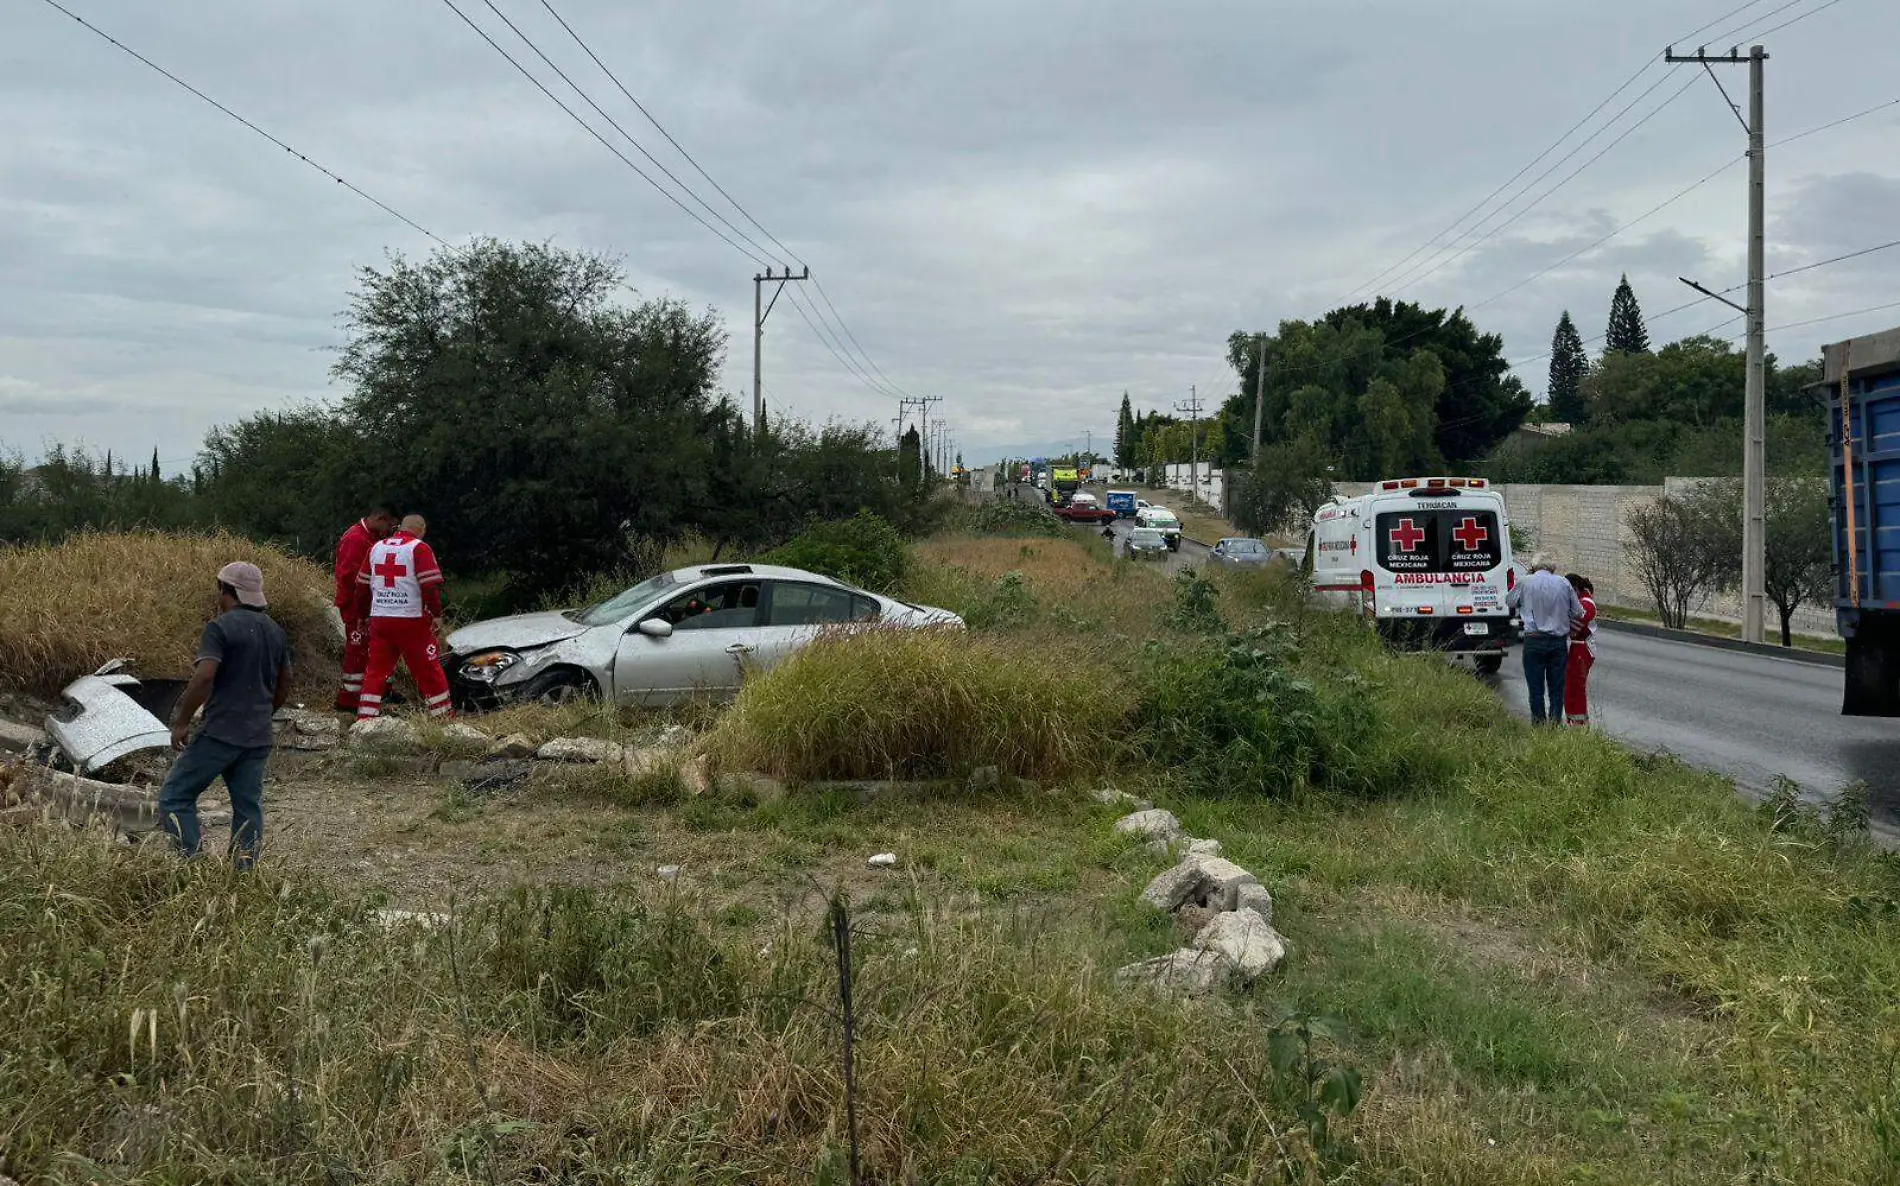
(488, 668)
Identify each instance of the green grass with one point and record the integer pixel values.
(1553, 961)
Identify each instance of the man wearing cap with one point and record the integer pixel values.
(240, 678)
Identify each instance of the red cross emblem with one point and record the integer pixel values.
(1407, 536)
(389, 570)
(1470, 534)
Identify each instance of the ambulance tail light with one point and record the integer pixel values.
(1465, 609)
(1388, 485)
(1368, 592)
(1510, 579)
(1426, 610)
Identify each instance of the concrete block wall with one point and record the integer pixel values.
(1585, 529)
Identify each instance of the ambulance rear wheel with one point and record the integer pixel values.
(560, 686)
(1489, 664)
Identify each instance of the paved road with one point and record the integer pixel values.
(1746, 716)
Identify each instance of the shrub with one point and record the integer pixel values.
(1009, 603)
(1015, 518)
(66, 608)
(863, 550)
(1234, 714)
(918, 703)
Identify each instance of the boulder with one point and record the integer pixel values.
(313, 742)
(756, 789)
(1222, 881)
(1152, 824)
(515, 745)
(1255, 898)
(1203, 848)
(1110, 797)
(1173, 887)
(1245, 940)
(463, 733)
(316, 724)
(17, 737)
(883, 860)
(583, 750)
(385, 735)
(1184, 973)
(697, 775)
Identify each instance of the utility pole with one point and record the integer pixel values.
(1193, 408)
(1259, 393)
(760, 311)
(1754, 484)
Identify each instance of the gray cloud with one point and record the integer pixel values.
(1026, 209)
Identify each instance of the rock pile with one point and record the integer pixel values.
(1228, 911)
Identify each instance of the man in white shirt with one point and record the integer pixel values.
(1550, 609)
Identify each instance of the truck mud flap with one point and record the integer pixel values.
(1872, 686)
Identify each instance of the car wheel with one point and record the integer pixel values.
(560, 686)
(1489, 664)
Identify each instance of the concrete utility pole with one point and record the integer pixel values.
(1193, 408)
(1754, 484)
(760, 312)
(922, 403)
(1259, 392)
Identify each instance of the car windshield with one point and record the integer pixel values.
(1244, 547)
(1160, 519)
(623, 605)
(1145, 535)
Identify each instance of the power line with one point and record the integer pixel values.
(359, 192)
(827, 340)
(1837, 259)
(1568, 178)
(589, 128)
(1685, 38)
(836, 317)
(1846, 119)
(1459, 221)
(1794, 20)
(615, 125)
(1837, 316)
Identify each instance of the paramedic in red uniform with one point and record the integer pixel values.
(400, 591)
(351, 551)
(1583, 654)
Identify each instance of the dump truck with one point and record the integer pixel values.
(1862, 378)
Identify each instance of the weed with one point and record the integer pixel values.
(66, 608)
(917, 704)
(1194, 609)
(1009, 604)
(864, 551)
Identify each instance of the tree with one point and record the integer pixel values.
(1282, 488)
(1317, 372)
(1798, 548)
(1697, 381)
(1680, 549)
(1627, 333)
(910, 460)
(1568, 365)
(545, 429)
(1126, 437)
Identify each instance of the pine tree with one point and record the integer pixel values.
(1125, 437)
(156, 478)
(1568, 363)
(1627, 333)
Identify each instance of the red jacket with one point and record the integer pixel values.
(412, 588)
(351, 551)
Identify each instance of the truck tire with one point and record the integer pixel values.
(1489, 664)
(1870, 687)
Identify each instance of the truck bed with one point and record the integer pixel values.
(1864, 479)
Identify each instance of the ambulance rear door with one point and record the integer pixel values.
(1443, 555)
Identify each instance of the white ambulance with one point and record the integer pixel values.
(1427, 560)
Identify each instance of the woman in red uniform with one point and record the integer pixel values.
(1583, 653)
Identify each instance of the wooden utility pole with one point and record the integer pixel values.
(760, 311)
(1754, 461)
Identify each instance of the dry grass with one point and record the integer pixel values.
(918, 703)
(68, 607)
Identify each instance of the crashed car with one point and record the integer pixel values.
(110, 715)
(689, 632)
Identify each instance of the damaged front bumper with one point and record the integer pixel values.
(109, 715)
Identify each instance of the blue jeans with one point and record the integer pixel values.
(1545, 657)
(195, 769)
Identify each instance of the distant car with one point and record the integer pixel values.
(1147, 543)
(690, 632)
(1240, 552)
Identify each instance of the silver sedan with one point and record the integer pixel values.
(693, 631)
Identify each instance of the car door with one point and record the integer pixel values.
(715, 632)
(797, 612)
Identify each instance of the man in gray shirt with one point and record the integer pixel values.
(1550, 609)
(241, 678)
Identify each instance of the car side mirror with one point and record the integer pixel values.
(656, 628)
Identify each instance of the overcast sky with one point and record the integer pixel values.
(1025, 208)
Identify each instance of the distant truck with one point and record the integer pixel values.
(1122, 502)
(1863, 381)
(1063, 482)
